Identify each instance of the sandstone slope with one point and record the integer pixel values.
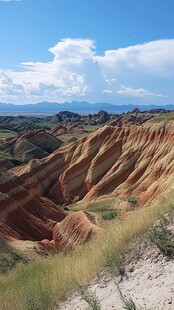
(121, 161)
(76, 229)
(31, 144)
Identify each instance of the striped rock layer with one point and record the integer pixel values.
(76, 229)
(122, 161)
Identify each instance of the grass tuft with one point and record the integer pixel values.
(161, 237)
(90, 298)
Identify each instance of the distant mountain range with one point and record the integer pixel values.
(84, 107)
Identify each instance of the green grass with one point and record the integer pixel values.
(18, 124)
(9, 260)
(91, 128)
(94, 304)
(90, 298)
(65, 137)
(105, 209)
(5, 134)
(162, 238)
(7, 156)
(102, 205)
(162, 117)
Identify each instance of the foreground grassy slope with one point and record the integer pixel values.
(39, 285)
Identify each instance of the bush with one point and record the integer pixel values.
(132, 200)
(109, 215)
(161, 237)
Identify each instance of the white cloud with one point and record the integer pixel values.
(140, 92)
(107, 91)
(73, 51)
(76, 73)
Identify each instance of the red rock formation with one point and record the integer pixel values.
(76, 229)
(137, 161)
(58, 130)
(68, 127)
(122, 161)
(31, 144)
(26, 216)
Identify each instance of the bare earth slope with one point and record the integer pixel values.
(122, 161)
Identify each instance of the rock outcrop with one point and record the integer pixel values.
(137, 161)
(121, 161)
(76, 229)
(24, 214)
(67, 128)
(31, 144)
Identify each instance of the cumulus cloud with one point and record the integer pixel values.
(152, 58)
(140, 92)
(76, 72)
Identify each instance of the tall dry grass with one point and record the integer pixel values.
(39, 285)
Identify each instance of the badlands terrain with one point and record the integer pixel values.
(61, 181)
(23, 138)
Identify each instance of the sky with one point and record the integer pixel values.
(116, 51)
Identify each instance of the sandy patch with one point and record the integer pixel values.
(148, 278)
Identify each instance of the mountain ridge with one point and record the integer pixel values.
(82, 107)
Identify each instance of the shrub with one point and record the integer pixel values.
(161, 237)
(132, 200)
(109, 215)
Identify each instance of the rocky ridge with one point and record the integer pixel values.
(30, 144)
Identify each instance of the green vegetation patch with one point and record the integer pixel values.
(133, 200)
(7, 156)
(10, 124)
(163, 239)
(101, 205)
(9, 260)
(6, 134)
(109, 215)
(90, 298)
(163, 117)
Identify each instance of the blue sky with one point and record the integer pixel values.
(119, 51)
